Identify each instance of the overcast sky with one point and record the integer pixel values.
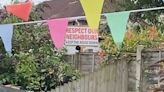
(5, 2)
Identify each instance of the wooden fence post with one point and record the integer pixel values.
(138, 66)
(160, 55)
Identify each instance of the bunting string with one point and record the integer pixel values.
(58, 26)
(82, 17)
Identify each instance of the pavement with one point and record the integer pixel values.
(7, 89)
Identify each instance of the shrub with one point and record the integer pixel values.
(35, 63)
(148, 37)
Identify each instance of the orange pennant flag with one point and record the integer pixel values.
(21, 10)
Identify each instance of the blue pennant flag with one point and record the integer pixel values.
(6, 33)
(117, 23)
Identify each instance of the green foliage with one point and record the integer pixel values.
(35, 63)
(148, 17)
(139, 25)
(26, 71)
(136, 4)
(130, 45)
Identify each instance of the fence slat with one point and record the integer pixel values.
(57, 89)
(94, 82)
(69, 87)
(78, 86)
(61, 88)
(110, 69)
(125, 77)
(96, 77)
(73, 86)
(91, 82)
(99, 81)
(114, 77)
(82, 84)
(86, 83)
(103, 80)
(106, 79)
(117, 78)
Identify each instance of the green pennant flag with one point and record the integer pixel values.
(117, 23)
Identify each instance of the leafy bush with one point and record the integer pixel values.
(35, 63)
(149, 37)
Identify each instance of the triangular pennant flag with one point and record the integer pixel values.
(57, 29)
(92, 9)
(21, 10)
(6, 33)
(117, 22)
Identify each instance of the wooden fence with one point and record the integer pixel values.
(87, 62)
(152, 70)
(112, 78)
(124, 76)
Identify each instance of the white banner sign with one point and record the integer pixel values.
(81, 36)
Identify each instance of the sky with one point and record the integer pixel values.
(6, 2)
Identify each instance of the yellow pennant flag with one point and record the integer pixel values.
(92, 9)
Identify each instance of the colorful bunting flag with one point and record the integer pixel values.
(6, 33)
(117, 22)
(21, 10)
(92, 9)
(57, 29)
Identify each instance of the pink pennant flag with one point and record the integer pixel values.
(57, 29)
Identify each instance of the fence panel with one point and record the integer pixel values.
(112, 78)
(152, 67)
